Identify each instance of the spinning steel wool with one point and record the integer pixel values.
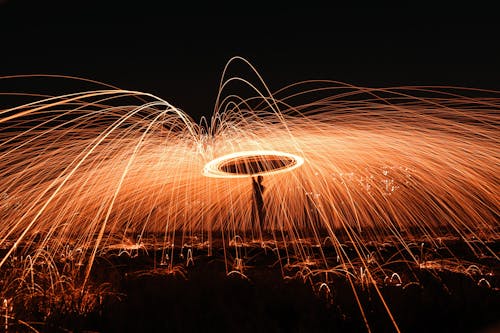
(91, 169)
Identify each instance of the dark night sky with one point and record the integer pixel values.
(178, 52)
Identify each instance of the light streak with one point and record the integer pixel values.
(252, 163)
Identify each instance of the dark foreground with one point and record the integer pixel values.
(141, 295)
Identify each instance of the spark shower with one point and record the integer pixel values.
(94, 169)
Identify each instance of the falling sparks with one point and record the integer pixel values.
(89, 169)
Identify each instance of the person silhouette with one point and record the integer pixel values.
(258, 191)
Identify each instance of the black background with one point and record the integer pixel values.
(177, 51)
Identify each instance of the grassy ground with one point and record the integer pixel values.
(137, 294)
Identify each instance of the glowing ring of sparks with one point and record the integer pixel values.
(252, 163)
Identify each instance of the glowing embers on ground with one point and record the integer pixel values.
(252, 163)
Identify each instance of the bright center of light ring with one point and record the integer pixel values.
(252, 163)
